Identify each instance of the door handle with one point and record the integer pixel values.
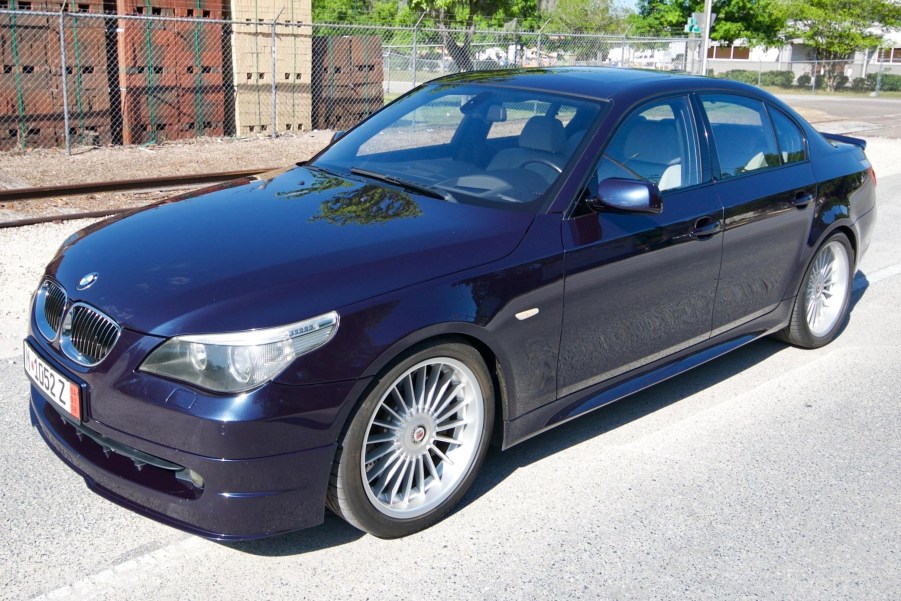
(802, 199)
(705, 228)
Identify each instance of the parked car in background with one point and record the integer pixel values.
(491, 255)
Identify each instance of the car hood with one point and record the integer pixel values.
(271, 250)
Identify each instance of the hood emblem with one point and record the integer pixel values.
(88, 281)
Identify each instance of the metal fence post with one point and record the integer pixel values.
(813, 80)
(274, 55)
(415, 31)
(414, 56)
(62, 52)
(879, 73)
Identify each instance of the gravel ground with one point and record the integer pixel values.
(49, 167)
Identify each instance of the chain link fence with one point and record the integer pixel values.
(87, 78)
(813, 75)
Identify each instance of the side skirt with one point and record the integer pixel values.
(584, 401)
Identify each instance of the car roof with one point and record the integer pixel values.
(610, 83)
(595, 82)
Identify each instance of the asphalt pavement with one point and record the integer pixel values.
(841, 114)
(770, 473)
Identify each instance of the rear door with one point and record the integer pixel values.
(768, 189)
(641, 286)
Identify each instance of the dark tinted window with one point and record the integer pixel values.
(742, 134)
(657, 143)
(790, 138)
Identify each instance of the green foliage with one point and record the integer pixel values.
(835, 29)
(890, 83)
(860, 84)
(340, 11)
(479, 14)
(661, 16)
(781, 79)
(587, 16)
(777, 79)
(740, 75)
(757, 21)
(804, 81)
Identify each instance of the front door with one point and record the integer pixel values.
(641, 286)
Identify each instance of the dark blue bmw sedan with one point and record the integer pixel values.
(489, 256)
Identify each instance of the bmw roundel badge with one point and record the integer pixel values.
(88, 280)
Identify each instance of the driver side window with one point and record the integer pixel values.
(656, 143)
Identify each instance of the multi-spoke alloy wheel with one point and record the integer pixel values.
(415, 444)
(422, 438)
(827, 288)
(822, 303)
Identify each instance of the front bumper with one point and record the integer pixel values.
(239, 499)
(226, 468)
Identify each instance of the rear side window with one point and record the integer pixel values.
(742, 133)
(789, 137)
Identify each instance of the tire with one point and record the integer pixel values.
(821, 306)
(425, 429)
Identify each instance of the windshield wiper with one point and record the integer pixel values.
(384, 177)
(319, 169)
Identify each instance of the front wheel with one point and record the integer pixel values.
(414, 446)
(822, 302)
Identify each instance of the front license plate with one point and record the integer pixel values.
(56, 387)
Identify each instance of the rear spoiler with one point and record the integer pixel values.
(845, 140)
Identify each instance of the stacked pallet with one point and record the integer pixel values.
(137, 81)
(347, 80)
(31, 93)
(171, 73)
(253, 45)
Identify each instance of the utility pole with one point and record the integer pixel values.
(705, 44)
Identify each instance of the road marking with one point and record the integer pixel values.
(863, 280)
(126, 572)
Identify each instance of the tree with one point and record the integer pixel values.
(466, 14)
(381, 12)
(586, 16)
(836, 29)
(755, 21)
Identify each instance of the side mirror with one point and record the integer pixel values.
(338, 133)
(630, 195)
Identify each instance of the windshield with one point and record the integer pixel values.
(474, 144)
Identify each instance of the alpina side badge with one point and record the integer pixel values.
(88, 281)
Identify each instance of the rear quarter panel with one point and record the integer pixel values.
(846, 194)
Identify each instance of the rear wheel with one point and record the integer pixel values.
(414, 446)
(822, 302)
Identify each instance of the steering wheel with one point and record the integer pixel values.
(544, 162)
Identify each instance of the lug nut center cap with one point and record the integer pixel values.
(418, 434)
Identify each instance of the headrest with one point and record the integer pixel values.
(543, 133)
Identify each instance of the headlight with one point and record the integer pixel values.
(238, 361)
